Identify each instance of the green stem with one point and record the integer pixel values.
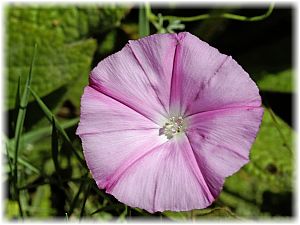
(144, 29)
(152, 17)
(188, 19)
(251, 19)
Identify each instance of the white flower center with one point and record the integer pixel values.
(173, 126)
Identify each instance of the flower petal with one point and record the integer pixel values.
(221, 141)
(108, 154)
(166, 178)
(139, 75)
(209, 81)
(116, 138)
(131, 96)
(155, 55)
(102, 114)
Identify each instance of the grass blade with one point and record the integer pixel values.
(10, 153)
(49, 116)
(9, 161)
(54, 146)
(144, 29)
(24, 162)
(108, 208)
(38, 134)
(28, 165)
(86, 195)
(19, 127)
(75, 201)
(17, 104)
(31, 137)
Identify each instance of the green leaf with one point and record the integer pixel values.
(215, 213)
(281, 81)
(270, 169)
(105, 47)
(108, 43)
(11, 209)
(176, 216)
(108, 16)
(63, 54)
(198, 214)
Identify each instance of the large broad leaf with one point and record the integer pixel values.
(104, 48)
(268, 176)
(201, 214)
(64, 50)
(281, 81)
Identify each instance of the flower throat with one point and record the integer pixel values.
(172, 127)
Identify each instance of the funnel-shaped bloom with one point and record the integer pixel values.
(165, 120)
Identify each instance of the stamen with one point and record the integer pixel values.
(172, 127)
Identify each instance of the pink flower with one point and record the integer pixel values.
(165, 120)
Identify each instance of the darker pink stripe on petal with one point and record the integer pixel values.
(121, 77)
(127, 103)
(165, 120)
(114, 116)
(222, 140)
(154, 55)
(191, 159)
(112, 180)
(194, 63)
(162, 180)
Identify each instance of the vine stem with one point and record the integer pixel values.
(153, 18)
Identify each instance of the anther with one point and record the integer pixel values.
(172, 127)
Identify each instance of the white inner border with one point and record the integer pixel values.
(294, 4)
